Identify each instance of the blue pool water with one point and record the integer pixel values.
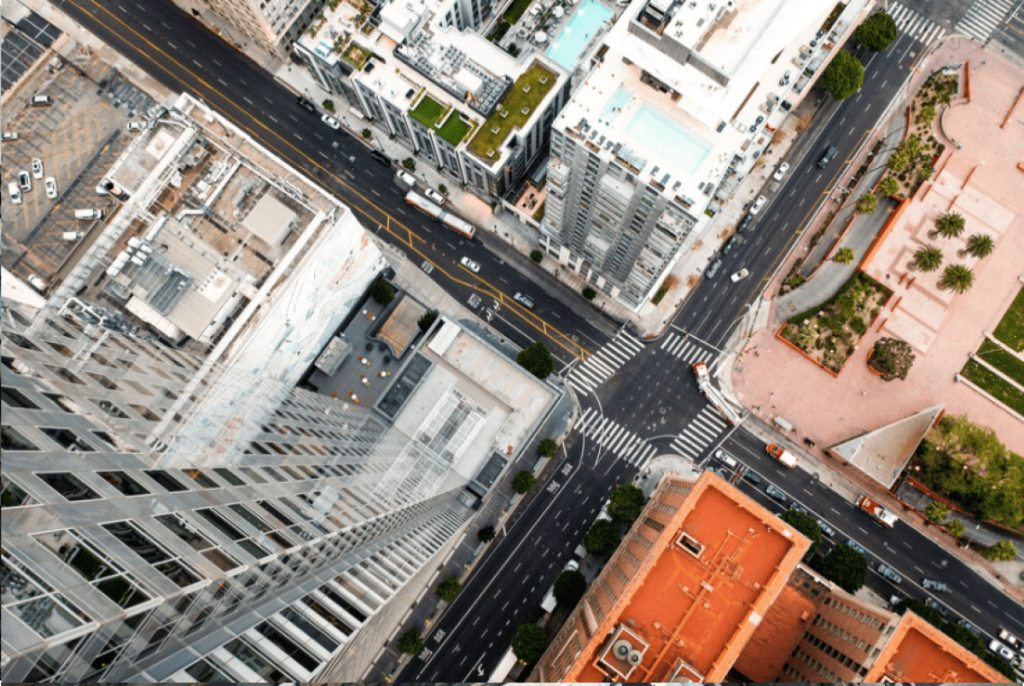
(667, 137)
(577, 33)
(618, 100)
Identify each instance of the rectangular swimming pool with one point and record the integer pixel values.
(661, 134)
(618, 100)
(577, 33)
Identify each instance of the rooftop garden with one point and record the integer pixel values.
(1010, 329)
(514, 110)
(356, 55)
(454, 129)
(829, 333)
(428, 111)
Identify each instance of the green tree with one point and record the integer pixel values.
(955, 528)
(877, 32)
(936, 512)
(523, 482)
(328, 105)
(949, 224)
(537, 360)
(625, 503)
(843, 566)
(529, 643)
(383, 292)
(844, 256)
(867, 203)
(569, 588)
(547, 448)
(843, 77)
(410, 643)
(602, 539)
(448, 590)
(426, 320)
(409, 163)
(927, 113)
(367, 134)
(892, 358)
(957, 278)
(928, 614)
(443, 189)
(889, 186)
(806, 525)
(1001, 552)
(927, 258)
(537, 256)
(980, 245)
(589, 293)
(485, 534)
(905, 153)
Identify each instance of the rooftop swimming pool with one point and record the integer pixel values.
(618, 100)
(661, 134)
(577, 33)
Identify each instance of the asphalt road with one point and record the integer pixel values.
(183, 56)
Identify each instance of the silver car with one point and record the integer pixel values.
(889, 573)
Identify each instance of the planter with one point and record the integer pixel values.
(872, 369)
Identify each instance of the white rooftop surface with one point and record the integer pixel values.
(270, 220)
(511, 399)
(650, 127)
(400, 18)
(391, 86)
(741, 44)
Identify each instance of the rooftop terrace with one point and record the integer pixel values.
(920, 652)
(513, 111)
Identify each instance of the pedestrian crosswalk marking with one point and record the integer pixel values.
(615, 439)
(604, 363)
(983, 17)
(689, 351)
(914, 25)
(694, 438)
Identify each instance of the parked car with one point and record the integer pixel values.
(40, 101)
(752, 477)
(744, 223)
(51, 187)
(726, 459)
(826, 528)
(758, 204)
(524, 300)
(15, 192)
(37, 168)
(740, 275)
(932, 585)
(781, 171)
(776, 494)
(331, 121)
(856, 546)
(137, 126)
(935, 605)
(970, 627)
(713, 269)
(406, 178)
(434, 196)
(37, 283)
(470, 265)
(729, 245)
(11, 136)
(889, 573)
(997, 647)
(306, 105)
(381, 157)
(24, 181)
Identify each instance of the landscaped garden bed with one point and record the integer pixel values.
(829, 333)
(995, 385)
(1010, 329)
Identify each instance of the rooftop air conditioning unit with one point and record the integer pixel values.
(634, 658)
(622, 650)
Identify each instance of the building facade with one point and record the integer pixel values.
(272, 25)
(120, 563)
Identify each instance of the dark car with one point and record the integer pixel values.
(776, 494)
(744, 223)
(381, 157)
(829, 155)
(729, 245)
(713, 269)
(306, 105)
(752, 477)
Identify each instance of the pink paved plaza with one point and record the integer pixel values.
(983, 181)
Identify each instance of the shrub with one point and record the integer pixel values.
(426, 320)
(411, 643)
(523, 481)
(569, 588)
(536, 256)
(383, 292)
(367, 134)
(844, 256)
(485, 534)
(892, 358)
(328, 105)
(858, 326)
(547, 448)
(625, 503)
(602, 539)
(409, 163)
(936, 512)
(448, 590)
(867, 203)
(442, 188)
(589, 293)
(1001, 552)
(888, 186)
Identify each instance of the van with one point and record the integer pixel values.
(40, 101)
(85, 215)
(830, 153)
(580, 552)
(406, 178)
(37, 283)
(71, 235)
(11, 135)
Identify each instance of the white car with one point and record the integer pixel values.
(758, 204)
(51, 187)
(434, 196)
(136, 126)
(331, 121)
(15, 192)
(1001, 650)
(25, 181)
(470, 265)
(37, 168)
(406, 178)
(740, 275)
(781, 171)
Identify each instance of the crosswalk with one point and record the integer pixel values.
(615, 439)
(605, 362)
(705, 428)
(983, 17)
(916, 26)
(687, 350)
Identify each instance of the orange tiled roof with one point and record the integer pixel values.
(776, 636)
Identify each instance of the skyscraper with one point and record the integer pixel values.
(121, 562)
(272, 25)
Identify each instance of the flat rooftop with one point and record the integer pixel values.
(919, 652)
(715, 572)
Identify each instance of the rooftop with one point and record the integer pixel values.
(706, 585)
(515, 109)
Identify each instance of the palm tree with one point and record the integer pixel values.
(957, 278)
(927, 259)
(980, 245)
(949, 224)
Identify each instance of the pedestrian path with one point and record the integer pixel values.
(604, 363)
(615, 438)
(689, 351)
(913, 24)
(983, 17)
(705, 428)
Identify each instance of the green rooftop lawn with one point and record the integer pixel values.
(454, 130)
(1003, 361)
(428, 111)
(1010, 329)
(513, 103)
(515, 10)
(994, 385)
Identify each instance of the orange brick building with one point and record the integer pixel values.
(708, 586)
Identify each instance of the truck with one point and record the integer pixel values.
(500, 673)
(549, 603)
(879, 513)
(83, 215)
(714, 396)
(787, 458)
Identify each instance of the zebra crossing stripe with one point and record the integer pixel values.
(983, 17)
(712, 418)
(685, 449)
(614, 356)
(621, 443)
(601, 365)
(589, 377)
(585, 419)
(629, 340)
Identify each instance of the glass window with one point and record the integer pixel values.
(200, 478)
(310, 629)
(68, 440)
(97, 568)
(12, 439)
(288, 646)
(228, 476)
(27, 597)
(143, 546)
(12, 494)
(256, 662)
(253, 474)
(15, 398)
(205, 673)
(69, 486)
(54, 660)
(165, 480)
(124, 483)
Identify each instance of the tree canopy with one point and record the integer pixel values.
(523, 482)
(968, 464)
(426, 320)
(383, 292)
(892, 358)
(867, 203)
(936, 512)
(448, 590)
(485, 534)
(529, 643)
(410, 643)
(547, 448)
(1003, 551)
(843, 76)
(877, 32)
(625, 504)
(844, 566)
(602, 538)
(536, 359)
(806, 525)
(569, 588)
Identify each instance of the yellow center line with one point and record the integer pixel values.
(544, 328)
